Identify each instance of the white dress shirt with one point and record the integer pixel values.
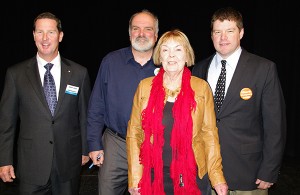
(55, 70)
(215, 69)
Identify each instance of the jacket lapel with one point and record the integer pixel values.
(235, 84)
(66, 73)
(34, 77)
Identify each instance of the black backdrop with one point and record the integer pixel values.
(92, 29)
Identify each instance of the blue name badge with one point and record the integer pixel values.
(72, 90)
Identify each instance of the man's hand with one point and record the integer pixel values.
(94, 155)
(263, 185)
(7, 173)
(84, 160)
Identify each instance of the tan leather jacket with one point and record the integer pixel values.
(206, 145)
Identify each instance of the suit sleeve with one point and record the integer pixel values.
(274, 125)
(8, 120)
(83, 105)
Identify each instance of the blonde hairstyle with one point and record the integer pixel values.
(179, 37)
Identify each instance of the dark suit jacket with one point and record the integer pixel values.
(252, 132)
(41, 136)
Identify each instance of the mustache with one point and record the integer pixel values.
(141, 38)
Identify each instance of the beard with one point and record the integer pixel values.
(142, 44)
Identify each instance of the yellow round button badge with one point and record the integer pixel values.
(246, 93)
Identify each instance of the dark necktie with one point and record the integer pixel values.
(49, 88)
(220, 88)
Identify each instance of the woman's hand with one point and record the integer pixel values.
(221, 189)
(134, 191)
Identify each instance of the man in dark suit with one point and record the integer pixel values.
(251, 117)
(51, 146)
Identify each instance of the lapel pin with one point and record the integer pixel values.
(246, 93)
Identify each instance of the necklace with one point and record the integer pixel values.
(172, 93)
(172, 86)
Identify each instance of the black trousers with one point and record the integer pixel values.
(54, 186)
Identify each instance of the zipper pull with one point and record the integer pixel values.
(181, 184)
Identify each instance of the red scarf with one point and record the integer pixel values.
(183, 166)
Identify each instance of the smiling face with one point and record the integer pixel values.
(143, 32)
(47, 38)
(172, 56)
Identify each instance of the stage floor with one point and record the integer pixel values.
(288, 183)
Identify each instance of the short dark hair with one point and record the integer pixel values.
(227, 13)
(49, 16)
